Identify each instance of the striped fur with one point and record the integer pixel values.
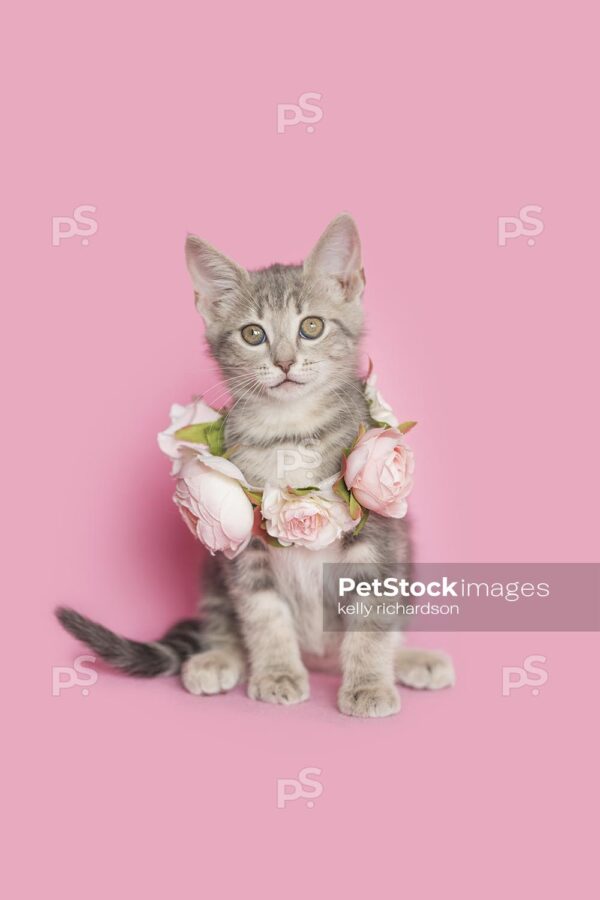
(262, 612)
(163, 657)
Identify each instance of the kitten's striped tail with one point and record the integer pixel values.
(162, 657)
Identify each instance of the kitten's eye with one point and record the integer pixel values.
(312, 327)
(253, 334)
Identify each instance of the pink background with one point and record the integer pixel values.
(437, 119)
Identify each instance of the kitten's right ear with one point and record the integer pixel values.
(214, 276)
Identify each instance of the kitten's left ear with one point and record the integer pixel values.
(338, 255)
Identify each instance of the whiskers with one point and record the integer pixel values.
(228, 387)
(238, 390)
(251, 393)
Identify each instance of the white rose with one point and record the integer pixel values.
(182, 416)
(380, 410)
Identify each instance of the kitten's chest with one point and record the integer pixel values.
(296, 445)
(285, 463)
(298, 575)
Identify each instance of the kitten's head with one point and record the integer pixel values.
(282, 332)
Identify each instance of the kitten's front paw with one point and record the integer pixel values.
(211, 672)
(279, 686)
(424, 669)
(372, 700)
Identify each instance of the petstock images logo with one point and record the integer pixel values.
(462, 597)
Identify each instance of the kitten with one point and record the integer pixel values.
(297, 396)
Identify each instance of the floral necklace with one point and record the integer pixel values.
(224, 511)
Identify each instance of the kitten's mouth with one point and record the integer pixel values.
(286, 381)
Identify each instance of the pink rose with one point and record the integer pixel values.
(311, 520)
(379, 472)
(213, 504)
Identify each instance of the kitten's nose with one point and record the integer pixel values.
(286, 364)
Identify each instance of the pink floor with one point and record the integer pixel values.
(140, 788)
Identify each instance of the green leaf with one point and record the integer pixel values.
(209, 433)
(362, 430)
(362, 523)
(340, 488)
(403, 427)
(299, 492)
(355, 507)
(192, 433)
(255, 497)
(342, 491)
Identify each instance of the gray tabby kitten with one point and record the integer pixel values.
(287, 341)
